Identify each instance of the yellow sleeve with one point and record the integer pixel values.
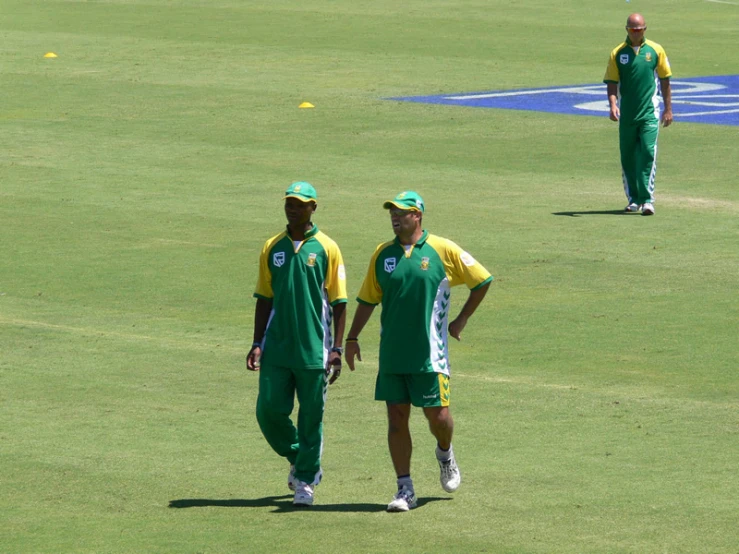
(264, 280)
(336, 274)
(460, 266)
(612, 75)
(371, 293)
(664, 71)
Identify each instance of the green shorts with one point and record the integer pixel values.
(424, 390)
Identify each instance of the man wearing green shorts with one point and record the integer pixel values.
(300, 291)
(632, 73)
(412, 276)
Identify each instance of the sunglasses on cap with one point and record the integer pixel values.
(636, 29)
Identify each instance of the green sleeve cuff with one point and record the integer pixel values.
(268, 299)
(338, 301)
(365, 302)
(485, 282)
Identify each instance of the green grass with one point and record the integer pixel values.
(595, 391)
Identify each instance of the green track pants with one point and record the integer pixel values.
(638, 142)
(302, 446)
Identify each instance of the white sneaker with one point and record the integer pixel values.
(450, 476)
(303, 494)
(632, 207)
(404, 500)
(647, 209)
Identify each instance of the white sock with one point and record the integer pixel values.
(405, 482)
(443, 456)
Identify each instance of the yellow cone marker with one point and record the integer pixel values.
(306, 105)
(50, 55)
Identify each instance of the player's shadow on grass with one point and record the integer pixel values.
(595, 212)
(285, 504)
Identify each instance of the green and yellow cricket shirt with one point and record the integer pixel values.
(636, 71)
(413, 286)
(303, 280)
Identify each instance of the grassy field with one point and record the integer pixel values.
(595, 392)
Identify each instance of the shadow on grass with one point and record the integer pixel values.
(595, 212)
(284, 504)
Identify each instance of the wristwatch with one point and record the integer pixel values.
(338, 349)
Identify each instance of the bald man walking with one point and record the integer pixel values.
(634, 69)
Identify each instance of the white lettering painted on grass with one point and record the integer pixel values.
(679, 96)
(712, 99)
(592, 89)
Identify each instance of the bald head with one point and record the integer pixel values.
(635, 21)
(635, 27)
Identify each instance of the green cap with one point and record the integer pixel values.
(302, 191)
(406, 200)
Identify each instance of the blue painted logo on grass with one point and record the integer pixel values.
(712, 100)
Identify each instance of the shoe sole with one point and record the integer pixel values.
(401, 508)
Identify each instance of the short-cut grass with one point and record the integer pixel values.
(595, 391)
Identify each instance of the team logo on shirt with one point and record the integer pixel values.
(311, 259)
(389, 265)
(648, 56)
(467, 260)
(624, 59)
(425, 264)
(278, 259)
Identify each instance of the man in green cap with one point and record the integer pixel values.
(300, 291)
(412, 276)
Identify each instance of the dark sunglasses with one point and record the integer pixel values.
(636, 29)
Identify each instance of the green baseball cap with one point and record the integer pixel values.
(302, 191)
(406, 200)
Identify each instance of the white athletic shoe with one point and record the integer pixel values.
(647, 209)
(292, 481)
(404, 500)
(632, 207)
(450, 476)
(303, 494)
